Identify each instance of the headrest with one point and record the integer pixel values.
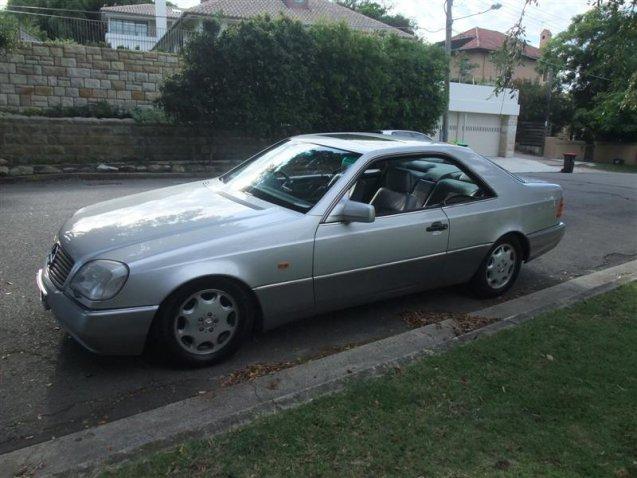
(399, 180)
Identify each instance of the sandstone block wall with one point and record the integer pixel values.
(50, 75)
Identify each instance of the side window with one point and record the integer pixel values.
(400, 185)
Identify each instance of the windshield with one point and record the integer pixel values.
(293, 174)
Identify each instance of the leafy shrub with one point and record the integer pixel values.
(150, 116)
(101, 109)
(9, 30)
(271, 76)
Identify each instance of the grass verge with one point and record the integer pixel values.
(554, 397)
(615, 168)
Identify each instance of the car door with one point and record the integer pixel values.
(360, 262)
(474, 220)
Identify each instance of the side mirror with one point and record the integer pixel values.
(352, 211)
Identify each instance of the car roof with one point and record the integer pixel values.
(367, 142)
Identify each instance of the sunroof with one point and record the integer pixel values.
(356, 137)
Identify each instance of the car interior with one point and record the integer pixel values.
(403, 185)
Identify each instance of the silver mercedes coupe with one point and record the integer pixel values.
(313, 223)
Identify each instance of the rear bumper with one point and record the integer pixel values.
(109, 332)
(541, 242)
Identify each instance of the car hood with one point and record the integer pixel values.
(161, 213)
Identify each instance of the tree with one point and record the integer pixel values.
(272, 77)
(9, 30)
(595, 59)
(381, 13)
(532, 99)
(465, 67)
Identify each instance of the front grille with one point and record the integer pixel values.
(60, 265)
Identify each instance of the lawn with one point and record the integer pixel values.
(554, 397)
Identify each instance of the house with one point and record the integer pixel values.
(473, 62)
(138, 27)
(133, 26)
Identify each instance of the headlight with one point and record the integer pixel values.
(100, 280)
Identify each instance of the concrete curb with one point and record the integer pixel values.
(210, 414)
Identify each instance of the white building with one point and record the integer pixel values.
(485, 122)
(138, 27)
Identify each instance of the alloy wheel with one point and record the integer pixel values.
(501, 266)
(206, 321)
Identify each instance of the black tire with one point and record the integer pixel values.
(168, 320)
(483, 285)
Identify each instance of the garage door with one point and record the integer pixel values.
(480, 131)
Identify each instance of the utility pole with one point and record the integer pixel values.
(549, 88)
(449, 23)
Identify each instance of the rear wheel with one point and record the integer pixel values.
(500, 268)
(205, 321)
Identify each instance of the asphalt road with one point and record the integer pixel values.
(49, 386)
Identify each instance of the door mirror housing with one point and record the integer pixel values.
(352, 211)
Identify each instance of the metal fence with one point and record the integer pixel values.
(91, 29)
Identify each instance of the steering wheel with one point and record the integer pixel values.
(286, 179)
(336, 175)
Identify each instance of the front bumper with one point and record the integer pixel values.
(109, 332)
(541, 242)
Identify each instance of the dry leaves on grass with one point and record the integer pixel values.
(465, 322)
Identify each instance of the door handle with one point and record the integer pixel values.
(437, 226)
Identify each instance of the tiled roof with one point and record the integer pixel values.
(146, 9)
(315, 11)
(483, 39)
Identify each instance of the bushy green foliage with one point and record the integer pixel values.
(596, 61)
(271, 76)
(8, 32)
(532, 101)
(149, 116)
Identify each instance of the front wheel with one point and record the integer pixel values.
(204, 322)
(499, 270)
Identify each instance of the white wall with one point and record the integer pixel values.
(481, 99)
(484, 121)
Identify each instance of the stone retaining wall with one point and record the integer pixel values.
(39, 140)
(48, 75)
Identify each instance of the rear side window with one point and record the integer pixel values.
(513, 175)
(398, 185)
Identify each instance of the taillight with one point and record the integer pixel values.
(560, 209)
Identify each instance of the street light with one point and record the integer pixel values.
(495, 6)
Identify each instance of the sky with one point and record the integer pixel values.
(430, 17)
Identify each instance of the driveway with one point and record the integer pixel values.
(49, 386)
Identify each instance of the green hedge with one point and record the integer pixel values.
(271, 76)
(9, 30)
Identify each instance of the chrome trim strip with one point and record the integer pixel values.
(126, 310)
(40, 282)
(462, 249)
(277, 284)
(385, 264)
